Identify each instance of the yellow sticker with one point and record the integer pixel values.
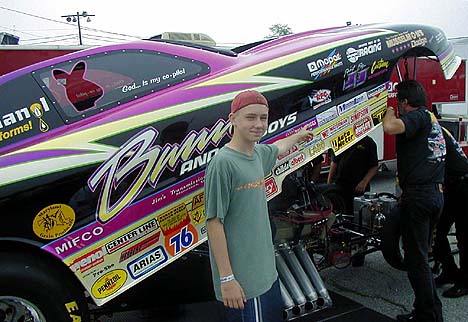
(53, 221)
(108, 284)
(342, 140)
(198, 215)
(174, 219)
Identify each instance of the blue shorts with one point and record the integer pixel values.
(267, 307)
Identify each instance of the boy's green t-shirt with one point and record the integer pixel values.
(235, 193)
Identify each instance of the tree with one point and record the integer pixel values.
(278, 30)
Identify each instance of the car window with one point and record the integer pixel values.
(90, 84)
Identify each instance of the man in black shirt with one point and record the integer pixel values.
(420, 147)
(455, 210)
(353, 170)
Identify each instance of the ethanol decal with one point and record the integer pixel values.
(53, 221)
(342, 140)
(109, 284)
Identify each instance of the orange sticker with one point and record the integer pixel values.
(108, 284)
(181, 240)
(173, 219)
(53, 221)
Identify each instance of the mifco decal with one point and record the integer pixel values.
(149, 161)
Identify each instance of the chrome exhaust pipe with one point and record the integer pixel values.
(288, 279)
(290, 309)
(309, 266)
(301, 277)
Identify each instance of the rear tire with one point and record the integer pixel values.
(31, 290)
(391, 240)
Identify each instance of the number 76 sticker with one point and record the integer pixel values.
(181, 240)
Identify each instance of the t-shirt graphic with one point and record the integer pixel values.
(435, 140)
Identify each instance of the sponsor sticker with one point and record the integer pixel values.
(378, 115)
(406, 40)
(320, 97)
(147, 262)
(325, 65)
(297, 160)
(375, 92)
(198, 210)
(270, 187)
(317, 149)
(88, 261)
(131, 236)
(342, 140)
(139, 247)
(282, 168)
(362, 127)
(181, 240)
(173, 219)
(109, 283)
(363, 50)
(360, 114)
(327, 116)
(53, 221)
(351, 103)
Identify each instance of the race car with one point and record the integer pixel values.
(103, 153)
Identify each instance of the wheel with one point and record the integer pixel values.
(391, 240)
(31, 290)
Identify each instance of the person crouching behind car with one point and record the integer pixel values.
(241, 248)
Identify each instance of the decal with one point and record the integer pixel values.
(406, 40)
(281, 123)
(131, 236)
(392, 92)
(363, 50)
(173, 219)
(181, 240)
(109, 283)
(282, 168)
(297, 160)
(323, 66)
(378, 115)
(318, 148)
(342, 140)
(375, 92)
(53, 221)
(320, 97)
(355, 76)
(149, 161)
(88, 261)
(22, 114)
(147, 262)
(362, 127)
(70, 244)
(270, 187)
(74, 311)
(37, 110)
(360, 114)
(139, 247)
(378, 67)
(5, 135)
(327, 116)
(99, 271)
(198, 209)
(289, 152)
(199, 161)
(353, 102)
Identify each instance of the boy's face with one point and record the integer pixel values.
(250, 122)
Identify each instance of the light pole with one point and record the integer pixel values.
(76, 18)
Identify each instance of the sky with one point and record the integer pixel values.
(227, 22)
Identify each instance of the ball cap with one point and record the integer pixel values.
(246, 98)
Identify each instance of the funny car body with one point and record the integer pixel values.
(103, 151)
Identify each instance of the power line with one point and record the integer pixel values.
(66, 23)
(52, 37)
(49, 41)
(14, 30)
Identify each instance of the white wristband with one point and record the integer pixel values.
(227, 278)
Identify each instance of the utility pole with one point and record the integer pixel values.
(76, 18)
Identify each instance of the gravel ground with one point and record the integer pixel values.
(382, 288)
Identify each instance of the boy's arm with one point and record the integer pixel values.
(232, 293)
(287, 143)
